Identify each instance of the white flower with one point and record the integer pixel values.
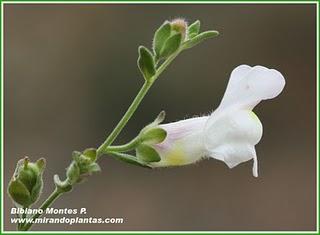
(230, 133)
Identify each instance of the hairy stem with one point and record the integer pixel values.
(105, 146)
(133, 107)
(116, 131)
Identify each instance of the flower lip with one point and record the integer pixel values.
(233, 130)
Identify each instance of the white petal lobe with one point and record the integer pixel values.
(249, 85)
(233, 130)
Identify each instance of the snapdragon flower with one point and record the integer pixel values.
(231, 132)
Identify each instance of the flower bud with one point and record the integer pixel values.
(26, 184)
(179, 25)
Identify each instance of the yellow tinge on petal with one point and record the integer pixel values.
(176, 157)
(254, 116)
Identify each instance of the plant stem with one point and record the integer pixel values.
(105, 146)
(123, 148)
(18, 217)
(116, 131)
(48, 202)
(133, 107)
(24, 215)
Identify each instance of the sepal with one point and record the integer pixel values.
(146, 153)
(200, 38)
(128, 159)
(25, 186)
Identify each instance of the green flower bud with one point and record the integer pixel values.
(26, 183)
(179, 25)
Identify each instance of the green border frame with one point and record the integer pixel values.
(3, 191)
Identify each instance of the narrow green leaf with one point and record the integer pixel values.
(146, 63)
(146, 153)
(199, 38)
(154, 136)
(171, 46)
(127, 158)
(160, 37)
(194, 29)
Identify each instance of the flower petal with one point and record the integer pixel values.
(235, 127)
(183, 143)
(231, 137)
(249, 85)
(234, 154)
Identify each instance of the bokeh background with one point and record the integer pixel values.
(70, 73)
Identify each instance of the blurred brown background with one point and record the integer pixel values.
(70, 74)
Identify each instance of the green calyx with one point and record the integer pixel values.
(143, 144)
(153, 133)
(26, 184)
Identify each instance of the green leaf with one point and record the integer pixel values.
(19, 193)
(194, 29)
(128, 159)
(146, 63)
(146, 153)
(171, 45)
(199, 38)
(154, 135)
(160, 37)
(73, 173)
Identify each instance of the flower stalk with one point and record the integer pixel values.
(134, 105)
